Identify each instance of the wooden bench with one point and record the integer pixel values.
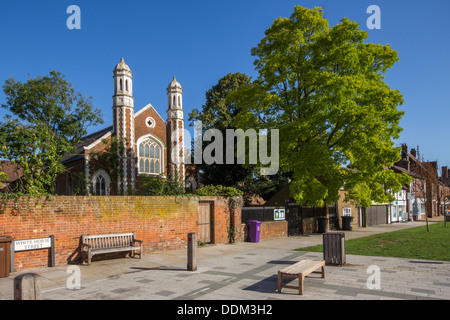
(106, 243)
(300, 270)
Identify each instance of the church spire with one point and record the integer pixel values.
(123, 119)
(175, 134)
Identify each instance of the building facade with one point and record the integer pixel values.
(140, 145)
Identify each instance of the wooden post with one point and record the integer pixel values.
(192, 252)
(27, 287)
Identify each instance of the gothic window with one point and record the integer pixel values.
(126, 85)
(174, 101)
(150, 157)
(101, 183)
(179, 101)
(120, 85)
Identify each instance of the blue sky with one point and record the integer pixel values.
(201, 41)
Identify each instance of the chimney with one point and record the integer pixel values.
(444, 172)
(414, 153)
(405, 148)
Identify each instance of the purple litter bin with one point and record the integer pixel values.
(254, 229)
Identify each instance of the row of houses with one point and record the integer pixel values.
(427, 194)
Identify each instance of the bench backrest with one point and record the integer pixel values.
(108, 240)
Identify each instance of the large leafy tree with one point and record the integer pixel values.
(323, 87)
(46, 118)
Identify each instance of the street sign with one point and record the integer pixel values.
(32, 244)
(279, 214)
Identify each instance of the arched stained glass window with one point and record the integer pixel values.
(149, 157)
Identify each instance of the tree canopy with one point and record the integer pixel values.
(46, 119)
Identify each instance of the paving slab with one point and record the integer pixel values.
(248, 271)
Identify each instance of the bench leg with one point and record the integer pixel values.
(323, 271)
(300, 284)
(280, 281)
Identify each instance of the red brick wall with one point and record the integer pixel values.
(161, 222)
(268, 230)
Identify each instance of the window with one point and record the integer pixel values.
(100, 186)
(149, 157)
(347, 212)
(120, 85)
(101, 183)
(126, 85)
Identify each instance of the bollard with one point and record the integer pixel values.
(192, 252)
(27, 287)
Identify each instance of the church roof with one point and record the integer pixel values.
(85, 142)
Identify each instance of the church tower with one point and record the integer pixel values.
(175, 132)
(123, 119)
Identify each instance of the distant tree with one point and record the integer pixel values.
(323, 88)
(46, 119)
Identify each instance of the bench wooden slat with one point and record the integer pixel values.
(305, 266)
(300, 270)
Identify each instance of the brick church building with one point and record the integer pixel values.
(138, 146)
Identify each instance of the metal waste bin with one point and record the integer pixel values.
(347, 223)
(322, 224)
(5, 256)
(254, 229)
(334, 248)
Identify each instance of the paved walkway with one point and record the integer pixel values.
(247, 271)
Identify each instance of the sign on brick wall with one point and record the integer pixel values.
(32, 244)
(279, 214)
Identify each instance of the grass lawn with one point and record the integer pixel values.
(414, 243)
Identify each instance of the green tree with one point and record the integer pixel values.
(323, 88)
(219, 113)
(46, 119)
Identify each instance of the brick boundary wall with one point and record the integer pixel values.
(161, 222)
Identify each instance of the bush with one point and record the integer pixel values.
(156, 186)
(218, 191)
